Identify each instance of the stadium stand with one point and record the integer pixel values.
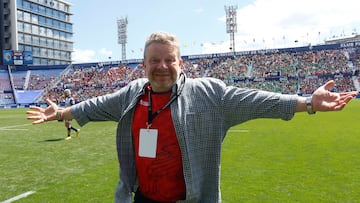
(292, 71)
(4, 80)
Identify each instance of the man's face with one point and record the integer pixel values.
(162, 66)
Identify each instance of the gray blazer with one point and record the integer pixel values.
(205, 109)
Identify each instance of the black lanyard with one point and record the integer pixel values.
(151, 116)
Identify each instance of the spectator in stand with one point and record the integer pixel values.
(172, 154)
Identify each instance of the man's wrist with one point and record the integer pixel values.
(60, 115)
(309, 106)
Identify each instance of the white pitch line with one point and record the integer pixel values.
(238, 131)
(14, 126)
(13, 129)
(18, 197)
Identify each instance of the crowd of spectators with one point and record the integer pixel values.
(287, 72)
(38, 79)
(297, 72)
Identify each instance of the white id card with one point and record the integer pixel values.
(148, 143)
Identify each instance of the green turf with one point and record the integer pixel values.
(308, 159)
(37, 158)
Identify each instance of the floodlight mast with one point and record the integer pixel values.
(122, 35)
(231, 25)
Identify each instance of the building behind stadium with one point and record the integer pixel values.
(37, 32)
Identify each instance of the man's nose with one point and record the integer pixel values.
(163, 64)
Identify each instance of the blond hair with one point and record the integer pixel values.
(163, 38)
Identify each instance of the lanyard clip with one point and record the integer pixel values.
(148, 125)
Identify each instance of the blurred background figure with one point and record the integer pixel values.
(69, 101)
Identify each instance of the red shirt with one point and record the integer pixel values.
(160, 178)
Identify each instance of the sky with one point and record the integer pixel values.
(200, 25)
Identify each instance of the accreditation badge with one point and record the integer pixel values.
(148, 143)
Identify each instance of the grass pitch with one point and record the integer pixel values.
(308, 159)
